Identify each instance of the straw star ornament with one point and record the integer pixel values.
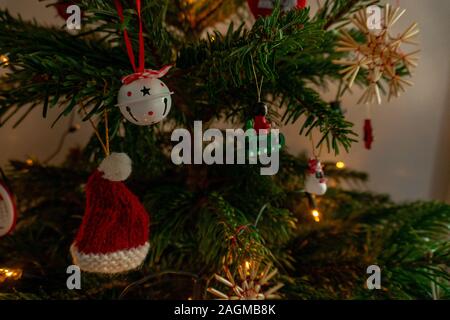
(252, 280)
(380, 55)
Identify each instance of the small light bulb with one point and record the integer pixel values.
(316, 215)
(29, 162)
(14, 274)
(247, 265)
(340, 165)
(4, 60)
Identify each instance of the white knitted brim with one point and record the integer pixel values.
(114, 262)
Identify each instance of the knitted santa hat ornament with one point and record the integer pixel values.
(113, 236)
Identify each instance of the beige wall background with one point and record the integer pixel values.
(411, 155)
(34, 137)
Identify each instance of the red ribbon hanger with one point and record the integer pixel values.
(127, 38)
(139, 72)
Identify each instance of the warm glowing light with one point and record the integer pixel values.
(340, 165)
(29, 162)
(13, 274)
(316, 215)
(247, 267)
(4, 60)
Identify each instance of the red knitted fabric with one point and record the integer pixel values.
(114, 218)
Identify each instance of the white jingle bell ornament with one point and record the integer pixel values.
(144, 99)
(8, 211)
(315, 178)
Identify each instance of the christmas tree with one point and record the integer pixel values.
(216, 230)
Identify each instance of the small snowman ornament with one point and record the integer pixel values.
(8, 213)
(315, 179)
(143, 99)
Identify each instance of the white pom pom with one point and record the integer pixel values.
(116, 167)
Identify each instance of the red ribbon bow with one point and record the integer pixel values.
(146, 74)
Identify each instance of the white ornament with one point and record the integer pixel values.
(315, 178)
(145, 101)
(8, 212)
(116, 167)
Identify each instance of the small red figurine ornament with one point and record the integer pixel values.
(264, 8)
(368, 134)
(61, 7)
(261, 125)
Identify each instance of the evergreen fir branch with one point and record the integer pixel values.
(272, 39)
(404, 256)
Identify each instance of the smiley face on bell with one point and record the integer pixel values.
(145, 101)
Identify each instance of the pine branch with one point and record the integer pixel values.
(341, 12)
